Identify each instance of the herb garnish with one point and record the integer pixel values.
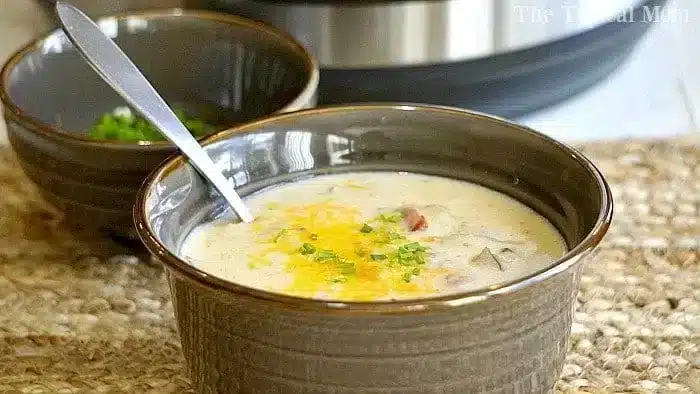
(279, 235)
(387, 236)
(391, 217)
(347, 267)
(394, 236)
(307, 249)
(407, 275)
(125, 126)
(411, 256)
(325, 254)
(360, 251)
(390, 249)
(413, 247)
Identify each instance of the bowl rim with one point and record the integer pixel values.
(173, 262)
(14, 111)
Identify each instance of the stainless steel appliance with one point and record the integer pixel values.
(96, 8)
(506, 57)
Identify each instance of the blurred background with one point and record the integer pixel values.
(575, 70)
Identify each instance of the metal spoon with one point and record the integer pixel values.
(125, 78)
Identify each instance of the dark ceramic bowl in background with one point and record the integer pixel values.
(222, 68)
(509, 338)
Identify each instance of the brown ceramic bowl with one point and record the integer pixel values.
(221, 68)
(508, 338)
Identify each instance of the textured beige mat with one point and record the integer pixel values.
(78, 314)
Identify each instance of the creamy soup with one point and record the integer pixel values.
(376, 236)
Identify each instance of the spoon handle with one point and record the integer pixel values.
(124, 77)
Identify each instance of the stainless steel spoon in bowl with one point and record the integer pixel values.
(124, 77)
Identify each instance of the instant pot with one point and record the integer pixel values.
(97, 8)
(505, 57)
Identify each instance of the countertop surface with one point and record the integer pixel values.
(656, 93)
(81, 315)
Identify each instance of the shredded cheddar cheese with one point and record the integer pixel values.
(328, 248)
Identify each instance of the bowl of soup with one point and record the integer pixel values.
(397, 248)
(88, 152)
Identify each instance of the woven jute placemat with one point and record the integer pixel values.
(78, 313)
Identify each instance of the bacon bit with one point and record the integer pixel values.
(414, 219)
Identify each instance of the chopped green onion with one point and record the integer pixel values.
(393, 236)
(407, 277)
(359, 251)
(280, 234)
(313, 237)
(405, 257)
(378, 256)
(347, 268)
(307, 249)
(413, 247)
(366, 229)
(325, 255)
(122, 125)
(388, 237)
(391, 217)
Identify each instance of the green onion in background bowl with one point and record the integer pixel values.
(123, 125)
